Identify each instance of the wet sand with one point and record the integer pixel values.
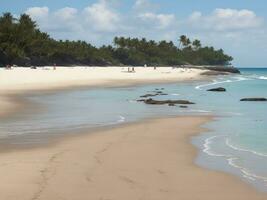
(146, 160)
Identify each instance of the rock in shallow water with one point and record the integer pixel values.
(219, 89)
(169, 102)
(254, 99)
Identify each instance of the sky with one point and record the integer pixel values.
(237, 26)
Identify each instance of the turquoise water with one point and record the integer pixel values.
(237, 143)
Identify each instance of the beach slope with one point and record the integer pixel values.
(151, 160)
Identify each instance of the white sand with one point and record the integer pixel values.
(47, 78)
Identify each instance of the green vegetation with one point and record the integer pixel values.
(23, 44)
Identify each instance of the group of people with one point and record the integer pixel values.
(131, 69)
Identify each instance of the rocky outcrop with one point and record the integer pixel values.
(157, 93)
(219, 89)
(148, 95)
(223, 69)
(214, 73)
(168, 102)
(254, 99)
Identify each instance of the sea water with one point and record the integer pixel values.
(236, 142)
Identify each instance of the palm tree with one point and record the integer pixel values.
(182, 41)
(188, 42)
(196, 44)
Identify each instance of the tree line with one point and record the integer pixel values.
(22, 43)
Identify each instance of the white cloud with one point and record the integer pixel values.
(226, 20)
(38, 13)
(144, 5)
(98, 23)
(162, 21)
(66, 13)
(101, 17)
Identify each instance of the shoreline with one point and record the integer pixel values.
(150, 159)
(35, 165)
(46, 81)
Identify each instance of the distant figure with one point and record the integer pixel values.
(8, 66)
(55, 66)
(133, 69)
(155, 68)
(128, 69)
(145, 65)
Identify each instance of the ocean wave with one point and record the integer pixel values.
(121, 119)
(246, 173)
(241, 78)
(256, 76)
(174, 94)
(200, 111)
(227, 142)
(216, 82)
(207, 147)
(233, 113)
(132, 101)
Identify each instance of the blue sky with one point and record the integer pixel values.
(237, 26)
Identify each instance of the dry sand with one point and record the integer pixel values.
(46, 78)
(151, 160)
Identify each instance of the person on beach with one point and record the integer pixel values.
(55, 66)
(8, 66)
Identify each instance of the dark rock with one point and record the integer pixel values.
(148, 95)
(159, 92)
(158, 102)
(183, 106)
(214, 73)
(253, 99)
(140, 100)
(219, 89)
(171, 104)
(229, 69)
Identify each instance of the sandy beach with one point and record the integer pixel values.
(146, 160)
(19, 79)
(153, 159)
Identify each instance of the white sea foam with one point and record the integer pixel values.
(263, 77)
(233, 113)
(216, 82)
(241, 78)
(228, 143)
(207, 147)
(200, 111)
(174, 94)
(121, 119)
(246, 173)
